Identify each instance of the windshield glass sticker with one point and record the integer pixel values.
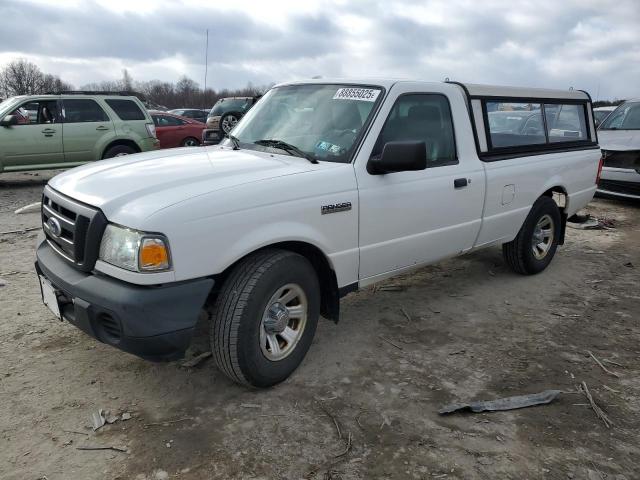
(324, 149)
(362, 94)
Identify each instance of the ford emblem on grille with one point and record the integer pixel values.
(54, 227)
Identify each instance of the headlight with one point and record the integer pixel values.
(134, 250)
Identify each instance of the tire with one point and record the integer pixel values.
(524, 254)
(228, 121)
(118, 151)
(190, 142)
(239, 334)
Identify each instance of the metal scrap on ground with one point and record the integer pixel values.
(197, 360)
(508, 403)
(31, 208)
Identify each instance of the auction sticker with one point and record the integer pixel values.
(362, 94)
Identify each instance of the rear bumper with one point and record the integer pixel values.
(211, 136)
(155, 323)
(149, 144)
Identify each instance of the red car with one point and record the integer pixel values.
(176, 131)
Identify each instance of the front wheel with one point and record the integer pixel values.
(534, 247)
(190, 142)
(264, 318)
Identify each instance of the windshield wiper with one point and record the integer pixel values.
(287, 147)
(234, 140)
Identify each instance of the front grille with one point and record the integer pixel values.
(618, 186)
(72, 229)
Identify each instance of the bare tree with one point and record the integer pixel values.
(22, 77)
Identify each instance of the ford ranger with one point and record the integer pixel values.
(322, 188)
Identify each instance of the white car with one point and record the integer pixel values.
(619, 137)
(600, 113)
(322, 188)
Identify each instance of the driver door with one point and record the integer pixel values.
(36, 139)
(411, 218)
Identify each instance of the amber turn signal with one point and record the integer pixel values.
(154, 255)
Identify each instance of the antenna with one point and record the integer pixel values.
(206, 67)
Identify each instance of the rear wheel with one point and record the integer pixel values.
(190, 142)
(534, 247)
(118, 151)
(264, 318)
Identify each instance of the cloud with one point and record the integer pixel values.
(589, 44)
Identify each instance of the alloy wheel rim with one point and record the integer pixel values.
(283, 322)
(542, 237)
(228, 123)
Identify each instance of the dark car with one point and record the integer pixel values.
(223, 117)
(193, 113)
(176, 131)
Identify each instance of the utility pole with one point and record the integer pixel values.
(206, 66)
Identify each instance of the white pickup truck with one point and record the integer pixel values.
(322, 188)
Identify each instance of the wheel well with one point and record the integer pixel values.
(329, 291)
(559, 195)
(127, 143)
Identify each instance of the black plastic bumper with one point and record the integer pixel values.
(155, 323)
(211, 137)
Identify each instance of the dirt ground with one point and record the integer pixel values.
(364, 403)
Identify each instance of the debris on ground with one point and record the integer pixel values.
(110, 447)
(628, 265)
(197, 360)
(22, 230)
(508, 403)
(125, 416)
(110, 418)
(250, 405)
(391, 288)
(97, 419)
(587, 222)
(3, 282)
(602, 366)
(31, 208)
(594, 406)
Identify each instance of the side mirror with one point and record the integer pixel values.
(9, 120)
(399, 157)
(597, 122)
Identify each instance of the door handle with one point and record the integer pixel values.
(460, 183)
(102, 128)
(48, 130)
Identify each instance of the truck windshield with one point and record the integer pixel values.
(4, 104)
(321, 121)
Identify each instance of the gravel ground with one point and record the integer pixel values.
(364, 403)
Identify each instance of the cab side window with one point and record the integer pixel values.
(37, 113)
(421, 118)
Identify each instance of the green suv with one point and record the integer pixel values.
(69, 129)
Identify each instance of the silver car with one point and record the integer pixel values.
(619, 138)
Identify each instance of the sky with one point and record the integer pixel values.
(585, 44)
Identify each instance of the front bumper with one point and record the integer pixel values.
(155, 323)
(619, 182)
(211, 136)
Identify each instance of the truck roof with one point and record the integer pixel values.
(473, 89)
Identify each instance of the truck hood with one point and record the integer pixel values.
(619, 140)
(136, 186)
